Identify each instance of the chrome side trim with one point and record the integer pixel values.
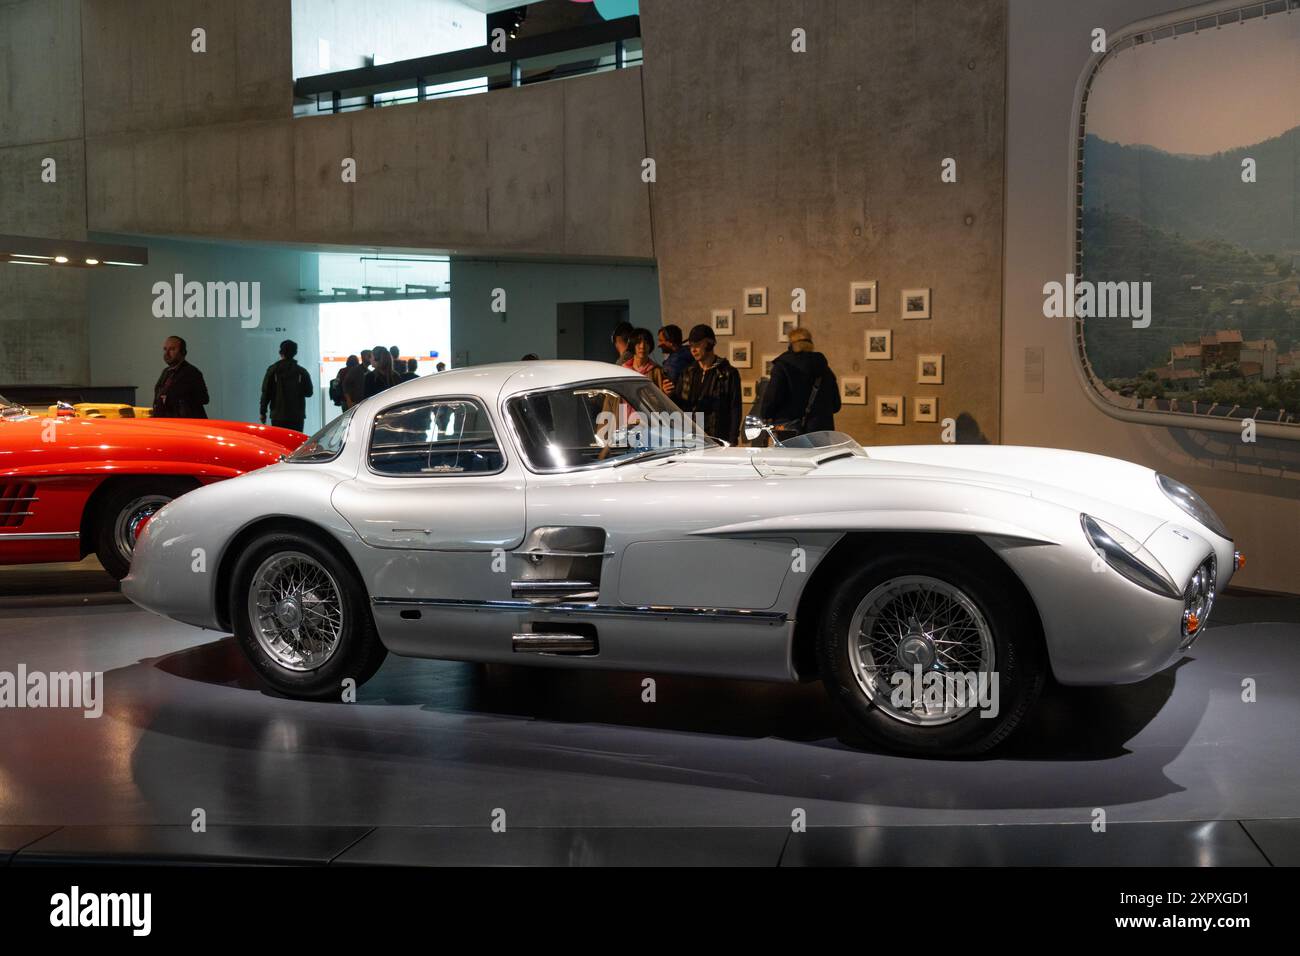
(544, 586)
(548, 643)
(43, 536)
(731, 615)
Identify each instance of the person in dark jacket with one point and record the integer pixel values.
(354, 380)
(710, 387)
(180, 391)
(677, 357)
(383, 376)
(802, 394)
(286, 386)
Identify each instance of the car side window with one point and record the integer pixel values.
(447, 436)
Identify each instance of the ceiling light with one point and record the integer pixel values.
(60, 259)
(92, 262)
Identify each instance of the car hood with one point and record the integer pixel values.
(1116, 491)
(27, 445)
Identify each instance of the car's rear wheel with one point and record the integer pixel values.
(123, 513)
(302, 617)
(932, 656)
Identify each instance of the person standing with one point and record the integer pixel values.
(677, 357)
(622, 342)
(382, 376)
(286, 386)
(802, 395)
(180, 391)
(710, 387)
(642, 345)
(354, 380)
(337, 395)
(410, 373)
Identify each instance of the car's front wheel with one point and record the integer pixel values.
(930, 655)
(302, 618)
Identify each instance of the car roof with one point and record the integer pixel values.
(506, 378)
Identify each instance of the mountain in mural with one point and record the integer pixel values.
(1202, 197)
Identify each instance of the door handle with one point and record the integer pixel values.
(412, 531)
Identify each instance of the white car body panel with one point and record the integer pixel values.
(700, 550)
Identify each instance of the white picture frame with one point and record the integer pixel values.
(862, 296)
(740, 354)
(874, 351)
(784, 325)
(766, 367)
(915, 303)
(889, 409)
(723, 322)
(756, 301)
(929, 369)
(853, 390)
(748, 391)
(925, 409)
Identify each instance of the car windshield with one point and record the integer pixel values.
(601, 423)
(326, 444)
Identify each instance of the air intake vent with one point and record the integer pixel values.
(16, 503)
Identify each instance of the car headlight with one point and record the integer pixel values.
(1127, 557)
(1193, 504)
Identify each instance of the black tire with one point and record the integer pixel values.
(358, 651)
(1019, 658)
(126, 497)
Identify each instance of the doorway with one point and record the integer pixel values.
(583, 329)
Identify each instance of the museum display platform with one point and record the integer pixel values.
(582, 771)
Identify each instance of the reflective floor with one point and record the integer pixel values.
(580, 769)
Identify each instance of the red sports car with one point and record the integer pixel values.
(70, 486)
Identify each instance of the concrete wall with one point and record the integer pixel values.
(126, 339)
(817, 169)
(42, 309)
(550, 169)
(533, 290)
(1047, 54)
(142, 74)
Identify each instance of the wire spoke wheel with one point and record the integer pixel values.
(296, 609)
(917, 624)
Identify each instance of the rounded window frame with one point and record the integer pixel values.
(1160, 27)
(475, 400)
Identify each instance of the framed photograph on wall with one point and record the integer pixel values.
(862, 296)
(767, 365)
(925, 409)
(739, 354)
(756, 301)
(889, 409)
(723, 321)
(785, 324)
(748, 391)
(916, 303)
(853, 391)
(880, 344)
(929, 369)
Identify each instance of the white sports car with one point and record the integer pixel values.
(565, 514)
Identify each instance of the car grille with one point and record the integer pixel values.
(1198, 599)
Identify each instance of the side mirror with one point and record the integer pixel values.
(755, 426)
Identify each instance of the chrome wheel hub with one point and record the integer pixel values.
(132, 519)
(296, 608)
(920, 626)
